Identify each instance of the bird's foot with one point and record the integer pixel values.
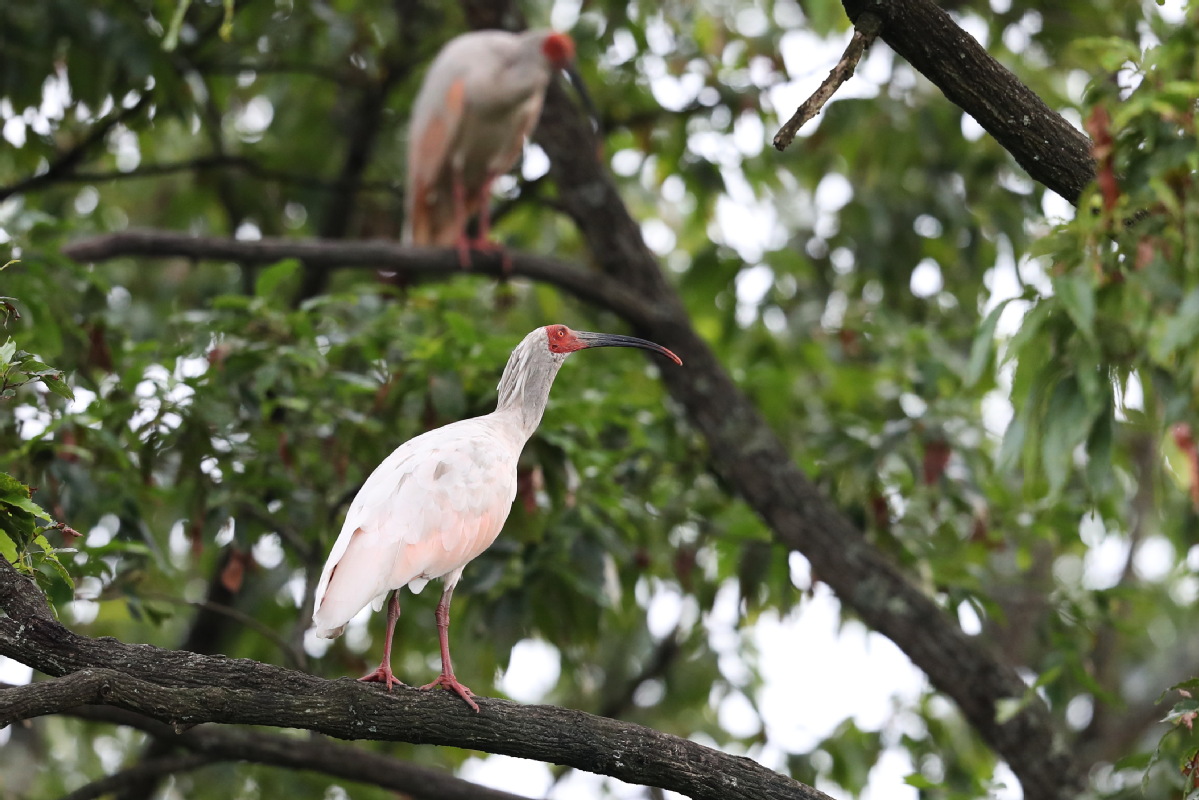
(463, 246)
(450, 682)
(383, 675)
(482, 244)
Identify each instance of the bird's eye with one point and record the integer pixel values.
(561, 332)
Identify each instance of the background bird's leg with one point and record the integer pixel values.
(482, 242)
(446, 678)
(384, 674)
(460, 220)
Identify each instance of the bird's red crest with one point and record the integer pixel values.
(562, 339)
(559, 49)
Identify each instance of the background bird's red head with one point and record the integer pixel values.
(559, 49)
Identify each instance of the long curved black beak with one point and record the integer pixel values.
(589, 339)
(576, 80)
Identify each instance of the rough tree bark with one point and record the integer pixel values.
(186, 689)
(319, 754)
(1051, 150)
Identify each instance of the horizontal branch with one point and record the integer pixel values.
(412, 262)
(186, 689)
(1051, 150)
(66, 161)
(312, 754)
(152, 768)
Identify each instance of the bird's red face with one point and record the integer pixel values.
(562, 339)
(559, 50)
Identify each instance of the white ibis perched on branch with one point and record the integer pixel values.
(440, 499)
(480, 98)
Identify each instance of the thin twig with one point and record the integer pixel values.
(864, 33)
(64, 165)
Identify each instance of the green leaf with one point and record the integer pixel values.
(1099, 452)
(8, 548)
(15, 493)
(273, 277)
(1068, 420)
(57, 385)
(1006, 708)
(918, 780)
(7, 350)
(984, 343)
(1181, 709)
(50, 556)
(1077, 296)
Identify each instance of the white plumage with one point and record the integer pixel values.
(412, 521)
(479, 100)
(440, 499)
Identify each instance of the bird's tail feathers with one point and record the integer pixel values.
(430, 223)
(329, 633)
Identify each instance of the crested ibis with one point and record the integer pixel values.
(479, 100)
(441, 498)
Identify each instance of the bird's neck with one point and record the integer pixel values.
(524, 391)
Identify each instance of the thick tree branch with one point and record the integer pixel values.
(1048, 147)
(186, 689)
(296, 753)
(412, 262)
(751, 458)
(207, 632)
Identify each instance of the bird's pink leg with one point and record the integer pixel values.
(460, 221)
(484, 241)
(446, 678)
(384, 674)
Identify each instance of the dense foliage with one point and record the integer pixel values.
(1000, 391)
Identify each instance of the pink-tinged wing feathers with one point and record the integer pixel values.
(431, 507)
(429, 203)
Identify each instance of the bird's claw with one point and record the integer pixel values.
(483, 245)
(383, 675)
(451, 683)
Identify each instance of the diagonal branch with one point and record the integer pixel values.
(864, 33)
(186, 689)
(64, 165)
(1044, 144)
